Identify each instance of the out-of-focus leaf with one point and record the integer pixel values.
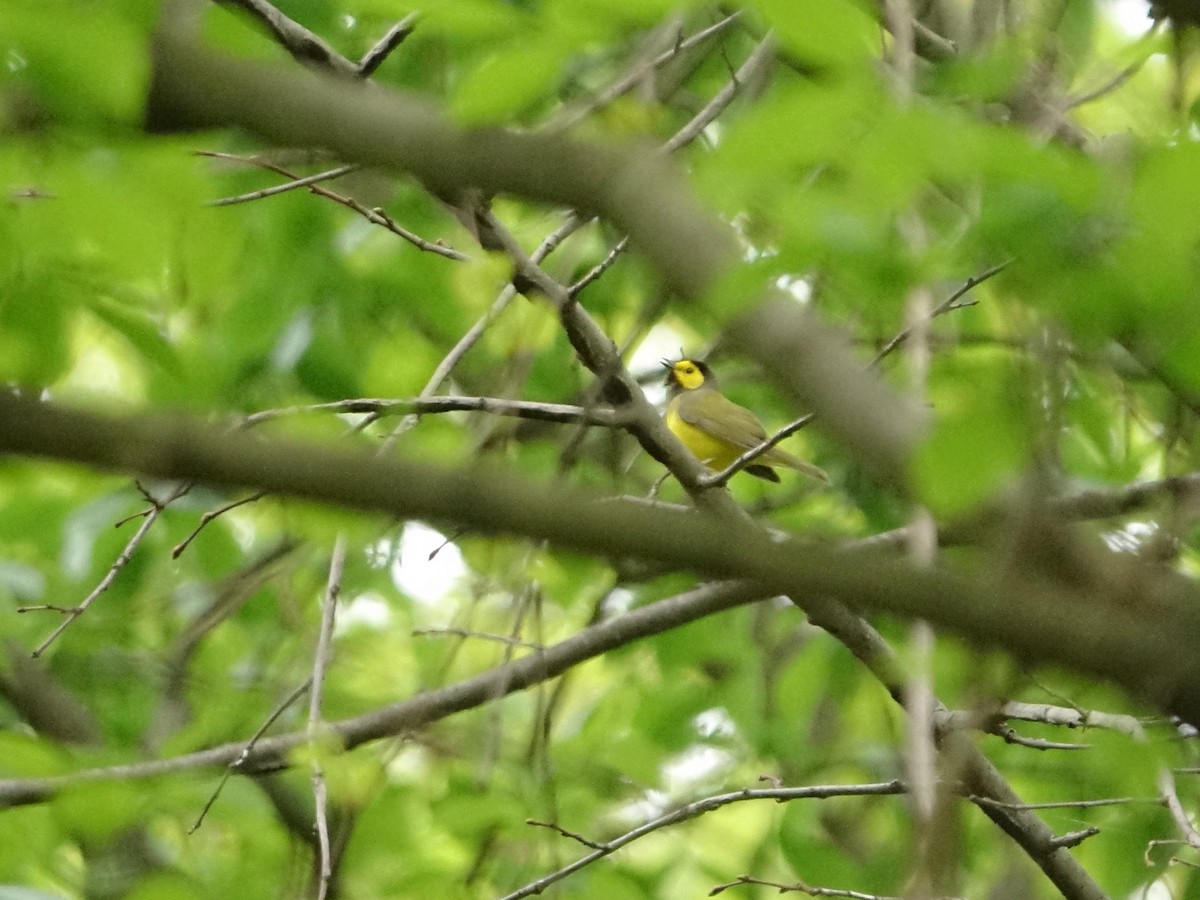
(52, 53)
(99, 811)
(834, 33)
(981, 436)
(506, 82)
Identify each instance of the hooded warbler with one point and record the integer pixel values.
(715, 429)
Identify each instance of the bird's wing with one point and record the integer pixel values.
(727, 421)
(724, 419)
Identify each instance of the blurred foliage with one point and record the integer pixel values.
(1050, 137)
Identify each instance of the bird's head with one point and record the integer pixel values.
(687, 375)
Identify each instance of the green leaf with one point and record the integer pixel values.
(823, 32)
(981, 435)
(34, 313)
(507, 82)
(99, 810)
(52, 54)
(140, 329)
(475, 20)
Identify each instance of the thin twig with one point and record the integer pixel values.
(634, 77)
(379, 407)
(233, 766)
(600, 268)
(482, 635)
(320, 664)
(1117, 80)
(74, 612)
(1012, 737)
(1170, 797)
(691, 811)
(396, 35)
(375, 216)
(1073, 838)
(1065, 804)
(209, 516)
(801, 888)
(575, 836)
(327, 175)
(948, 305)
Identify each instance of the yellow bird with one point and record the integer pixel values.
(715, 429)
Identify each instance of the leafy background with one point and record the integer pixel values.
(875, 170)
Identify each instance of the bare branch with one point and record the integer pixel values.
(1074, 838)
(948, 305)
(395, 36)
(374, 216)
(1170, 797)
(522, 409)
(327, 175)
(304, 46)
(248, 748)
(623, 85)
(209, 517)
(481, 635)
(1038, 621)
(74, 612)
(314, 728)
(798, 888)
(1120, 78)
(425, 707)
(691, 811)
(1067, 804)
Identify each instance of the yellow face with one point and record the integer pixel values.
(687, 374)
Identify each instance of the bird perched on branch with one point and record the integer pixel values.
(715, 429)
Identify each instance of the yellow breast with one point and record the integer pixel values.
(713, 452)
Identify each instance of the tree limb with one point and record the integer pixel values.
(1140, 630)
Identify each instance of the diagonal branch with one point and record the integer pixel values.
(374, 216)
(637, 191)
(305, 46)
(953, 302)
(1036, 621)
(425, 707)
(395, 36)
(195, 88)
(150, 516)
(699, 808)
(1152, 655)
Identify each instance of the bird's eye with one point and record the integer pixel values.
(689, 370)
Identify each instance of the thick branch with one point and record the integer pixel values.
(1139, 632)
(636, 190)
(193, 88)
